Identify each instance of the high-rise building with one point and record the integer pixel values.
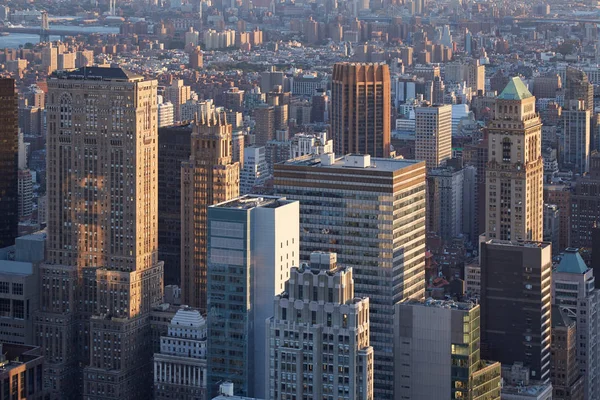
(433, 134)
(574, 292)
(445, 202)
(253, 244)
(102, 276)
(552, 226)
(256, 169)
(360, 109)
(264, 115)
(585, 205)
(174, 147)
(209, 177)
(9, 150)
(180, 367)
(560, 195)
(23, 367)
(319, 335)
(437, 353)
(516, 286)
(567, 381)
(25, 194)
(371, 212)
(578, 87)
(177, 94)
(575, 146)
(515, 170)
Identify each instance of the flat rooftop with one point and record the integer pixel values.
(15, 267)
(430, 302)
(250, 201)
(98, 74)
(498, 242)
(376, 164)
(527, 391)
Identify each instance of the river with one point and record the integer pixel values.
(15, 40)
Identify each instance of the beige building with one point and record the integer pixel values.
(433, 134)
(102, 276)
(209, 177)
(515, 169)
(178, 94)
(371, 212)
(319, 335)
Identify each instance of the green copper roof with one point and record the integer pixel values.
(515, 90)
(572, 262)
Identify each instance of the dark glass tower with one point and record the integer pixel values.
(9, 150)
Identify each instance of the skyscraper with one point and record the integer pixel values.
(253, 244)
(9, 151)
(438, 353)
(433, 134)
(102, 275)
(574, 292)
(516, 286)
(319, 311)
(514, 173)
(371, 212)
(585, 205)
(578, 87)
(575, 146)
(567, 380)
(209, 177)
(360, 109)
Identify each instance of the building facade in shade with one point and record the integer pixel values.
(574, 292)
(93, 322)
(180, 367)
(25, 194)
(256, 169)
(515, 169)
(567, 381)
(22, 373)
(360, 109)
(9, 137)
(174, 147)
(437, 353)
(19, 287)
(371, 212)
(433, 134)
(445, 202)
(264, 116)
(585, 205)
(516, 286)
(209, 177)
(552, 226)
(318, 336)
(253, 244)
(560, 195)
(578, 87)
(575, 146)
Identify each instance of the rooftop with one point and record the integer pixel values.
(430, 302)
(98, 74)
(348, 161)
(526, 391)
(571, 262)
(250, 201)
(515, 90)
(188, 317)
(498, 242)
(15, 267)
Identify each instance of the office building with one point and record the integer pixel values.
(22, 373)
(180, 367)
(264, 130)
(25, 192)
(174, 147)
(371, 212)
(19, 287)
(585, 205)
(9, 129)
(575, 146)
(552, 227)
(567, 381)
(578, 87)
(102, 276)
(253, 244)
(575, 293)
(209, 177)
(560, 195)
(433, 134)
(177, 94)
(445, 202)
(360, 109)
(437, 354)
(514, 174)
(256, 170)
(271, 78)
(319, 335)
(516, 286)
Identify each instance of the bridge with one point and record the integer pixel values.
(45, 33)
(566, 20)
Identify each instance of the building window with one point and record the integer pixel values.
(4, 287)
(17, 288)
